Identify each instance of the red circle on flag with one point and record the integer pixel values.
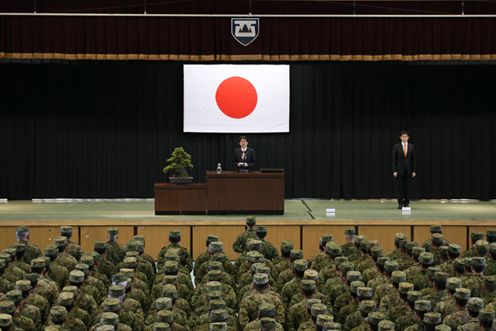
(236, 97)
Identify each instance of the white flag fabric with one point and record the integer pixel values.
(236, 98)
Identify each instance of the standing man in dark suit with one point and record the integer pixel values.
(244, 156)
(403, 167)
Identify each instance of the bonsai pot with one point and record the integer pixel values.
(181, 180)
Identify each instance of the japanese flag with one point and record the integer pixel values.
(236, 98)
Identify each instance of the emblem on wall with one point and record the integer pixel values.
(245, 30)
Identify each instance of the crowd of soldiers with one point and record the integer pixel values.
(353, 286)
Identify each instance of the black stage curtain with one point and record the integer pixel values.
(280, 39)
(104, 129)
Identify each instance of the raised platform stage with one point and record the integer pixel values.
(304, 222)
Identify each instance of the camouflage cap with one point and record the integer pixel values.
(214, 286)
(87, 259)
(326, 238)
(353, 275)
(490, 234)
(39, 262)
(436, 229)
(300, 265)
(161, 326)
(474, 236)
(492, 248)
(7, 306)
(14, 295)
(355, 285)
(254, 256)
(462, 293)
(82, 267)
(218, 326)
(381, 260)
(133, 245)
(340, 259)
(441, 276)
(171, 267)
(423, 305)
(311, 274)
(399, 236)
(32, 277)
(66, 299)
(170, 291)
(398, 276)
(23, 285)
(346, 267)
(103, 327)
(99, 245)
(113, 231)
(417, 250)
(251, 220)
(426, 258)
(215, 265)
(215, 275)
(311, 302)
(405, 287)
(286, 246)
(385, 325)
(216, 247)
(391, 265)
(109, 318)
(490, 282)
(359, 239)
(76, 276)
(364, 292)
(60, 241)
(453, 283)
(216, 304)
(376, 251)
(413, 296)
(475, 304)
(5, 320)
(323, 319)
(214, 295)
(212, 237)
(432, 318)
(454, 249)
(218, 315)
(296, 254)
(139, 238)
(442, 327)
(478, 261)
(317, 309)
(260, 279)
(349, 232)
(437, 238)
(58, 313)
(165, 316)
(163, 303)
(130, 262)
(267, 310)
(486, 314)
(20, 230)
(66, 229)
(119, 278)
(308, 285)
(366, 306)
(254, 245)
(333, 249)
(117, 291)
(374, 317)
(111, 304)
(467, 262)
(70, 288)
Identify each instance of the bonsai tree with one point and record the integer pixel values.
(178, 162)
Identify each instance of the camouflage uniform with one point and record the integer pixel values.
(184, 255)
(239, 244)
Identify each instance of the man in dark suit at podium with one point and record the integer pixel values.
(403, 168)
(244, 157)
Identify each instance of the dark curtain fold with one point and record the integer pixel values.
(280, 39)
(105, 128)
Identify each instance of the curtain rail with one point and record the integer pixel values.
(249, 15)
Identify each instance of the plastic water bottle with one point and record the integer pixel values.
(219, 168)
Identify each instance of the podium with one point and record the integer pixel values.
(232, 192)
(228, 192)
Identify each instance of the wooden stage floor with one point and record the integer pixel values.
(295, 210)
